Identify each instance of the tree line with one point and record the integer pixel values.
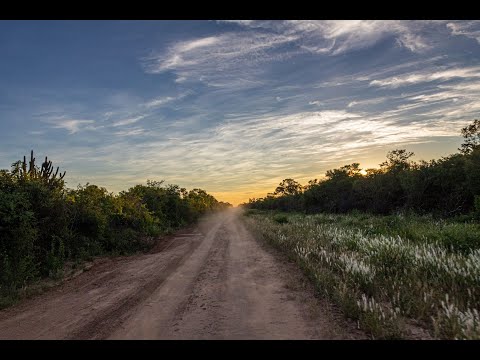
(43, 223)
(446, 187)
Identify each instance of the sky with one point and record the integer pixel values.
(232, 107)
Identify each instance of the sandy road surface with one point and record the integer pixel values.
(213, 281)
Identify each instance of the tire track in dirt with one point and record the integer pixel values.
(101, 326)
(89, 305)
(212, 281)
(202, 309)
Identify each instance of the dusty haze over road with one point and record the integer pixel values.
(212, 281)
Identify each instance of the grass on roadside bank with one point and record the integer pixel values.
(9, 296)
(390, 273)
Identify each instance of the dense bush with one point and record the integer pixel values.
(43, 224)
(445, 188)
(280, 218)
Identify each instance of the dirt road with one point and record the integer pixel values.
(214, 281)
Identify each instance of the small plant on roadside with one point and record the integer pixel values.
(281, 219)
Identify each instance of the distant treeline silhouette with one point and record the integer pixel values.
(446, 187)
(43, 224)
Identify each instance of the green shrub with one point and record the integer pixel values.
(251, 212)
(18, 235)
(477, 207)
(280, 218)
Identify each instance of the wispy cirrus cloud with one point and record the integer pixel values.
(71, 125)
(219, 52)
(338, 36)
(203, 59)
(364, 102)
(163, 100)
(358, 34)
(159, 101)
(413, 42)
(128, 121)
(223, 58)
(427, 76)
(130, 132)
(469, 29)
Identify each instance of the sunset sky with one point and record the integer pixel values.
(232, 107)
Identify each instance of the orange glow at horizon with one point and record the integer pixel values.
(239, 197)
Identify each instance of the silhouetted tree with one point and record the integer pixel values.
(397, 160)
(288, 187)
(471, 134)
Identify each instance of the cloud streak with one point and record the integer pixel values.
(202, 59)
(426, 76)
(469, 29)
(338, 36)
(71, 125)
(221, 59)
(128, 121)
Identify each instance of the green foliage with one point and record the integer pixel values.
(477, 206)
(280, 218)
(251, 212)
(471, 134)
(397, 160)
(288, 187)
(43, 224)
(443, 188)
(17, 240)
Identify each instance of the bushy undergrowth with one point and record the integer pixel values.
(386, 271)
(43, 224)
(280, 218)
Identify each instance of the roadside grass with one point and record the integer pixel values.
(281, 219)
(387, 272)
(9, 296)
(70, 269)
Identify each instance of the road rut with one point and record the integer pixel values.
(212, 281)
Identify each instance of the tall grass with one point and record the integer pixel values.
(389, 273)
